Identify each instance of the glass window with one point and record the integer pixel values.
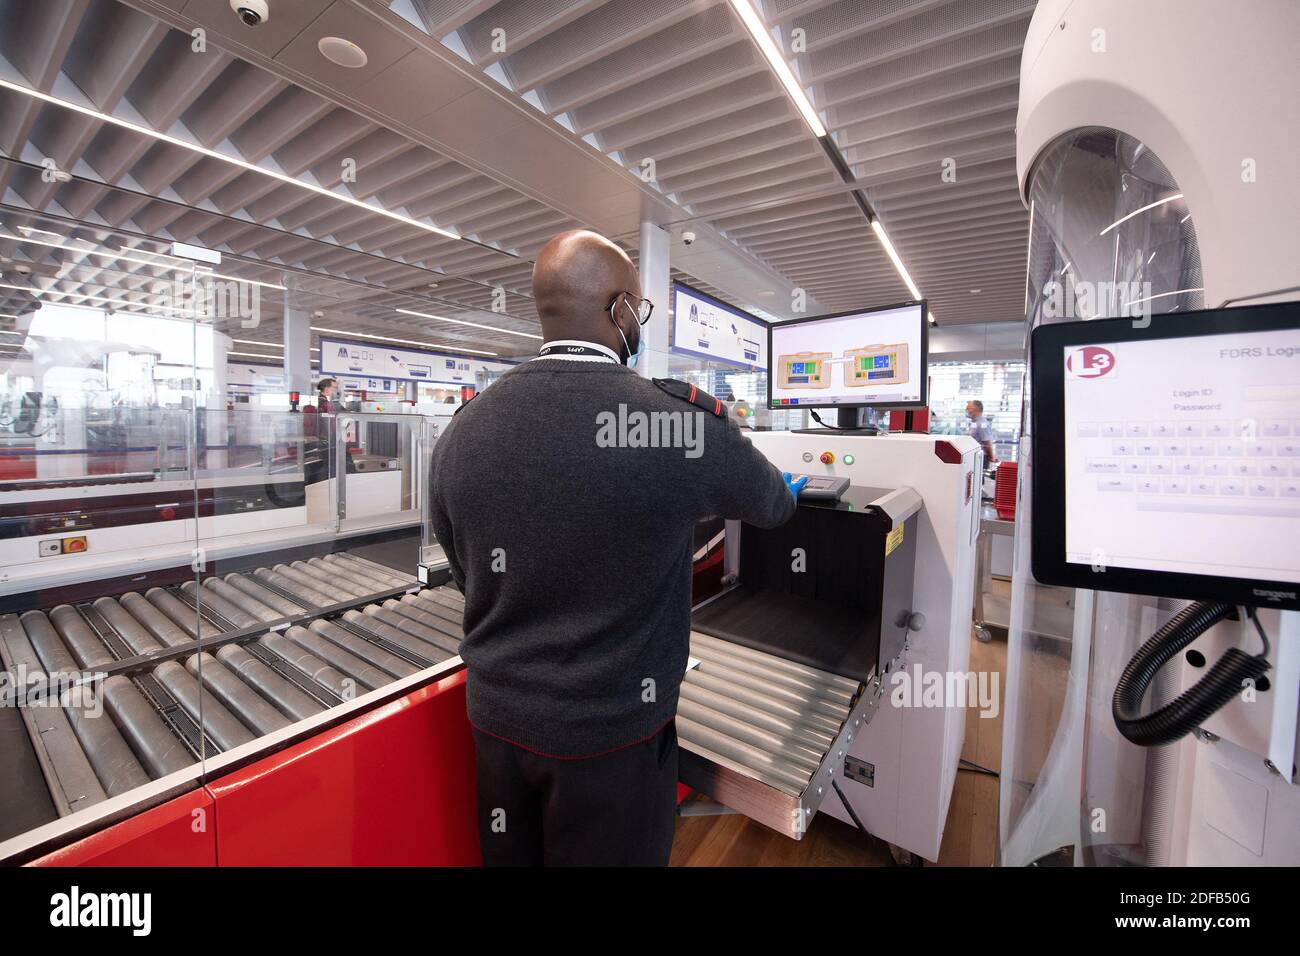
(996, 384)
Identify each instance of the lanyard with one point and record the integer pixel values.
(575, 350)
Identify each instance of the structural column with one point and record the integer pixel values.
(655, 287)
(297, 348)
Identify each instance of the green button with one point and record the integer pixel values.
(847, 459)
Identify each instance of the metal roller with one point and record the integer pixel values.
(68, 772)
(771, 661)
(231, 595)
(749, 759)
(291, 700)
(313, 597)
(219, 724)
(132, 632)
(365, 583)
(158, 749)
(809, 701)
(432, 606)
(806, 734)
(232, 612)
(330, 582)
(240, 699)
(811, 686)
(375, 570)
(84, 643)
(183, 615)
(405, 624)
(438, 598)
(158, 624)
(411, 643)
(322, 672)
(310, 598)
(54, 654)
(370, 653)
(354, 667)
(443, 633)
(268, 597)
(762, 702)
(327, 590)
(408, 604)
(115, 763)
(782, 750)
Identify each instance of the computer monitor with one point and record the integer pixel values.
(1166, 456)
(707, 328)
(867, 358)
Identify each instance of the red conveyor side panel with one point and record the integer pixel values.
(180, 832)
(394, 786)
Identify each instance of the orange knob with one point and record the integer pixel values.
(828, 458)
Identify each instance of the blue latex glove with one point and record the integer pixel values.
(794, 486)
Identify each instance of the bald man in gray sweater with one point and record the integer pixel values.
(565, 497)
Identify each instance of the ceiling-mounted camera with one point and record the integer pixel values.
(253, 13)
(688, 238)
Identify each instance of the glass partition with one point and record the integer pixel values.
(194, 567)
(998, 385)
(1110, 235)
(100, 366)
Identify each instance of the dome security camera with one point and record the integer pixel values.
(688, 238)
(253, 13)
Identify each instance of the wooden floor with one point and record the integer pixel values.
(969, 837)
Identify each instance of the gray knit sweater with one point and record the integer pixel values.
(571, 533)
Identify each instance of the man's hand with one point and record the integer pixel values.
(794, 486)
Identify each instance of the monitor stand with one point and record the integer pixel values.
(848, 421)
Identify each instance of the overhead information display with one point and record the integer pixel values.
(705, 328)
(376, 360)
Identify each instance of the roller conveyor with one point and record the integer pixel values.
(761, 733)
(165, 702)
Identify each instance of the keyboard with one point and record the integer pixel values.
(1204, 467)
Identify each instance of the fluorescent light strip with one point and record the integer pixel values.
(223, 157)
(265, 345)
(384, 338)
(754, 23)
(1138, 212)
(274, 358)
(893, 257)
(490, 328)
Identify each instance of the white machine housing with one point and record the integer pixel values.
(1209, 88)
(914, 749)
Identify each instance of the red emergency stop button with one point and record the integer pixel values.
(167, 514)
(828, 458)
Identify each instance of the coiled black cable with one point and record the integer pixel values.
(1191, 708)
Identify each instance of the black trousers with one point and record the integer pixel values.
(617, 809)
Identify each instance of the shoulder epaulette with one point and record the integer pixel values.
(689, 393)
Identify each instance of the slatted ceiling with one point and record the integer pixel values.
(902, 84)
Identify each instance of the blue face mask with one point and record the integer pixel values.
(632, 357)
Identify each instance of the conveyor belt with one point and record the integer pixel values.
(763, 715)
(253, 685)
(763, 734)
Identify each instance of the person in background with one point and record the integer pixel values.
(981, 429)
(326, 389)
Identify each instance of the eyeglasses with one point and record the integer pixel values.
(643, 311)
